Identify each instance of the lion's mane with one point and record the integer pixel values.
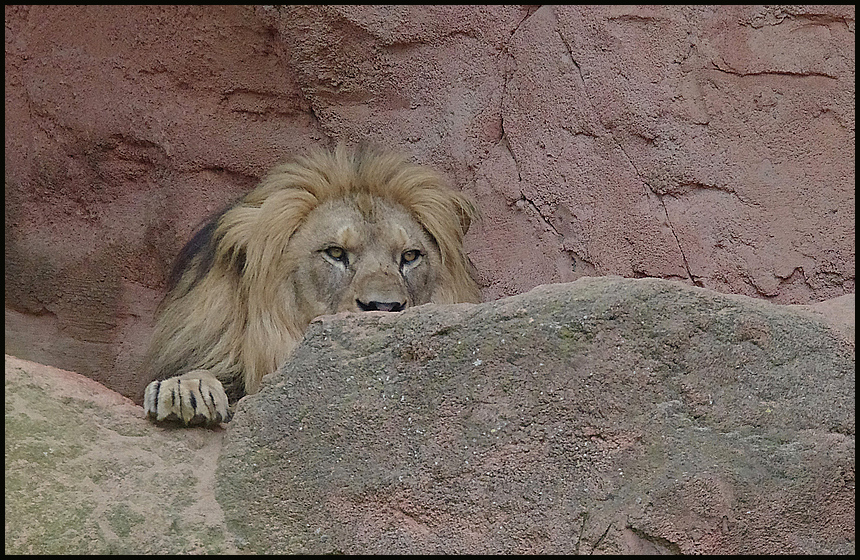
(225, 309)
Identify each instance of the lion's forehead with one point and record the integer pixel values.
(356, 227)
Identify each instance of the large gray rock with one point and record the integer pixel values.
(605, 415)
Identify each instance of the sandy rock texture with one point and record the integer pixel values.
(86, 473)
(606, 415)
(709, 144)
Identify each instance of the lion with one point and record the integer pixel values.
(343, 230)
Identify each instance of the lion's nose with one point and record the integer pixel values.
(380, 305)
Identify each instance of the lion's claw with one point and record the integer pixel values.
(193, 399)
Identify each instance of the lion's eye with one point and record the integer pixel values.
(337, 253)
(410, 256)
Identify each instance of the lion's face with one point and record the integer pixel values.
(330, 232)
(361, 254)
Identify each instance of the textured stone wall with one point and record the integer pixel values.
(713, 145)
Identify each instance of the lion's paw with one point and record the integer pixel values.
(194, 399)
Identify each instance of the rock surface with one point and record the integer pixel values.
(713, 144)
(605, 415)
(86, 473)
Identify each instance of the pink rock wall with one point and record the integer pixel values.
(713, 145)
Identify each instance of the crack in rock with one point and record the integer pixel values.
(678, 241)
(618, 143)
(530, 11)
(659, 196)
(660, 543)
(726, 69)
(581, 75)
(685, 187)
(503, 136)
(543, 218)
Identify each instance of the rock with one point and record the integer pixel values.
(605, 415)
(713, 144)
(86, 473)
